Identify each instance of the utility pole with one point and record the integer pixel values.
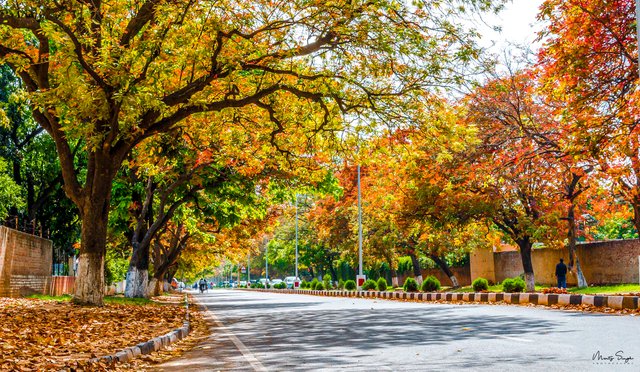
(296, 239)
(360, 279)
(266, 267)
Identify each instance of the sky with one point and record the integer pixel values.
(518, 25)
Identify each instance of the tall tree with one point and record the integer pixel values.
(589, 68)
(111, 74)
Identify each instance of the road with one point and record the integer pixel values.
(283, 332)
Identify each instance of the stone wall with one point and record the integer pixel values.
(610, 262)
(25, 263)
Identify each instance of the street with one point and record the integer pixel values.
(281, 332)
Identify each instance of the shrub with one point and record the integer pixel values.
(430, 284)
(313, 283)
(350, 285)
(513, 285)
(303, 284)
(382, 284)
(340, 284)
(326, 281)
(410, 285)
(282, 285)
(319, 286)
(480, 284)
(369, 285)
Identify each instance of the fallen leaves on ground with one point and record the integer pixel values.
(51, 335)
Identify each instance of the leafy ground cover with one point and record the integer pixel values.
(54, 334)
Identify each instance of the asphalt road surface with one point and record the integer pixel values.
(254, 331)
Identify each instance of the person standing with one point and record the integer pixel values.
(561, 274)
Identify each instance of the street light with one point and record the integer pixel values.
(296, 282)
(266, 267)
(360, 278)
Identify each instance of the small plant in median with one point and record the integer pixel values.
(369, 285)
(513, 285)
(304, 284)
(282, 285)
(340, 284)
(382, 284)
(350, 285)
(410, 285)
(480, 284)
(326, 281)
(313, 283)
(319, 286)
(430, 284)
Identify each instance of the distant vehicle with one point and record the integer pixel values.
(263, 280)
(290, 280)
(276, 281)
(243, 283)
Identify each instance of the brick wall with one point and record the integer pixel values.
(610, 262)
(25, 263)
(463, 275)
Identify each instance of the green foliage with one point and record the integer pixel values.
(350, 285)
(382, 284)
(115, 268)
(304, 284)
(340, 284)
(10, 192)
(410, 285)
(480, 284)
(326, 281)
(369, 285)
(430, 284)
(313, 283)
(282, 285)
(511, 285)
(319, 286)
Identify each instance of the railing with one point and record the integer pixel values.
(30, 227)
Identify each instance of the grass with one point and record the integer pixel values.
(107, 299)
(606, 289)
(492, 288)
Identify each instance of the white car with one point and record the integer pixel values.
(276, 281)
(290, 280)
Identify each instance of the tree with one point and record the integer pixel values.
(110, 77)
(589, 70)
(511, 167)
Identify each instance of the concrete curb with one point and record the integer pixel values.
(547, 299)
(150, 346)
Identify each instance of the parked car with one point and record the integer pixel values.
(290, 280)
(276, 281)
(243, 283)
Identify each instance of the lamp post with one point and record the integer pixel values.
(360, 278)
(296, 283)
(266, 267)
(249, 270)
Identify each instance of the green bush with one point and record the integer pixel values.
(326, 281)
(282, 285)
(480, 284)
(319, 286)
(340, 284)
(513, 285)
(382, 284)
(369, 285)
(303, 284)
(430, 284)
(350, 285)
(410, 285)
(313, 283)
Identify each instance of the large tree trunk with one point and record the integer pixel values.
(394, 277)
(442, 264)
(571, 237)
(90, 280)
(138, 274)
(417, 273)
(525, 254)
